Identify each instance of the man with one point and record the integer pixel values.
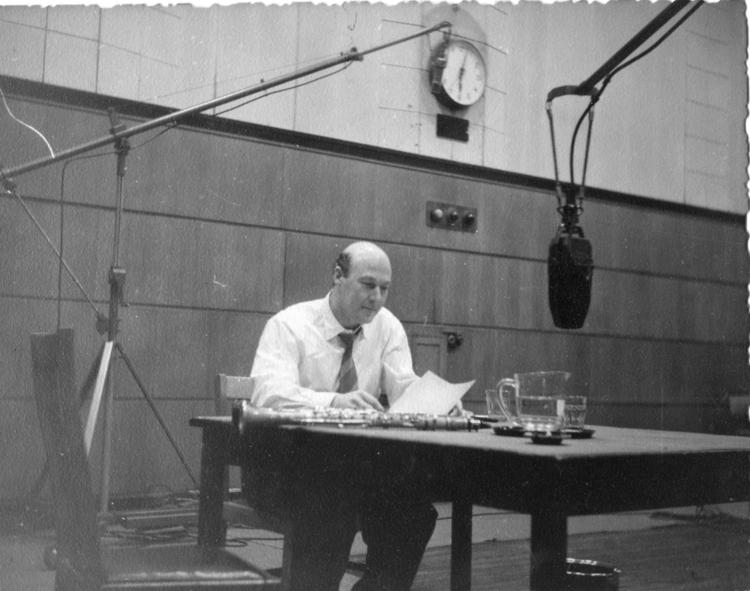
(343, 351)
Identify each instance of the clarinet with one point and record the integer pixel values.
(245, 416)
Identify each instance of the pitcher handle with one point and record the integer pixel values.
(502, 384)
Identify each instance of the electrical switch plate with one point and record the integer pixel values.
(451, 217)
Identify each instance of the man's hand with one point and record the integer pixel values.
(359, 399)
(460, 411)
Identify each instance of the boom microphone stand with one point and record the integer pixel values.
(119, 134)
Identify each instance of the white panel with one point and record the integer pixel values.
(712, 192)
(194, 81)
(118, 72)
(156, 78)
(399, 84)
(497, 70)
(708, 88)
(162, 35)
(351, 95)
(392, 26)
(71, 61)
(706, 157)
(79, 21)
(495, 22)
(706, 122)
(34, 16)
(257, 43)
(494, 110)
(714, 20)
(707, 54)
(496, 149)
(402, 130)
(123, 27)
(22, 49)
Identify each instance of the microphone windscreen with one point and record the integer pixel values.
(569, 272)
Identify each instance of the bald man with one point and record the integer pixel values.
(299, 355)
(345, 350)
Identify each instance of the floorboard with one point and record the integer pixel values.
(685, 557)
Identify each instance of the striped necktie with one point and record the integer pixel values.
(348, 372)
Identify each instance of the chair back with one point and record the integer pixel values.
(78, 550)
(229, 388)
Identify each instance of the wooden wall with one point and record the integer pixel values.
(226, 223)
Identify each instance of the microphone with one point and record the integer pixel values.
(569, 272)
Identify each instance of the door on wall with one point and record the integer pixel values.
(429, 353)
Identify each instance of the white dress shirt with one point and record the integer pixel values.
(299, 355)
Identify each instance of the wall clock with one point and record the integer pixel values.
(458, 74)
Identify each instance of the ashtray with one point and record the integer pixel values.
(509, 430)
(543, 436)
(547, 437)
(582, 433)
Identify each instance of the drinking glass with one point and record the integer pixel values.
(536, 400)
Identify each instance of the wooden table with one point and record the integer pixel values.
(616, 470)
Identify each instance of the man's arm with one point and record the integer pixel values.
(275, 373)
(398, 368)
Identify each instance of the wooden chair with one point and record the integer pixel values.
(229, 388)
(236, 510)
(83, 563)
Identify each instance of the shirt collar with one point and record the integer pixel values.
(332, 327)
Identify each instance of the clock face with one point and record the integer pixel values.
(464, 75)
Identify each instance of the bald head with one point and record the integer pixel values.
(361, 251)
(361, 279)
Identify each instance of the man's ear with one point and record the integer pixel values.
(338, 274)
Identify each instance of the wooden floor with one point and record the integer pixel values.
(683, 557)
(689, 557)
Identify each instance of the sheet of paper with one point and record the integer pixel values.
(430, 394)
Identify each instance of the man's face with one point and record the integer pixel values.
(360, 295)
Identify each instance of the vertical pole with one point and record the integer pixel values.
(107, 421)
(116, 286)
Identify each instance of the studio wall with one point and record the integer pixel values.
(226, 222)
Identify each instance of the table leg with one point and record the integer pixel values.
(549, 547)
(214, 456)
(461, 546)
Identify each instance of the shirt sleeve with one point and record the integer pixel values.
(398, 369)
(275, 374)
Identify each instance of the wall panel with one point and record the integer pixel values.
(28, 266)
(166, 260)
(493, 291)
(195, 263)
(143, 459)
(64, 128)
(663, 241)
(388, 204)
(23, 452)
(183, 173)
(232, 339)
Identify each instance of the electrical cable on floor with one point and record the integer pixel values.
(713, 518)
(150, 536)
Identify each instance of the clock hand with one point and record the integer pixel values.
(461, 71)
